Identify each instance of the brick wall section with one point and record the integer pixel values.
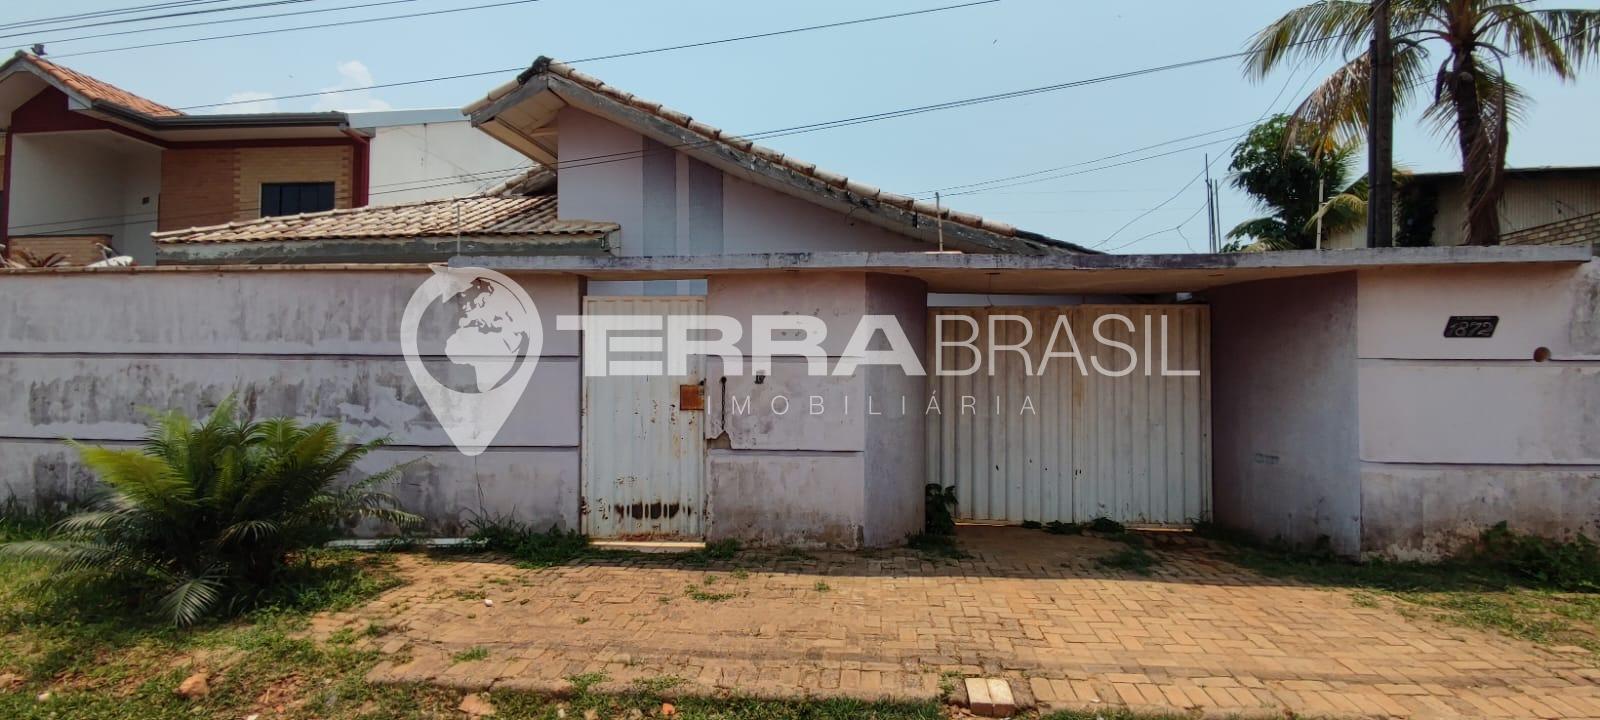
(291, 164)
(198, 187)
(214, 186)
(77, 249)
(1580, 230)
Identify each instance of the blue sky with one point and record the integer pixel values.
(832, 74)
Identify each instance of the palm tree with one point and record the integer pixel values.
(1471, 95)
(205, 515)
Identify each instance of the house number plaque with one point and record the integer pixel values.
(1471, 326)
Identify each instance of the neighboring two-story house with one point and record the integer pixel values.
(89, 164)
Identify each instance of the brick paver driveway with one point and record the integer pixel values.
(1034, 608)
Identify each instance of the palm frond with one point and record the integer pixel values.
(1257, 228)
(207, 512)
(1575, 32)
(191, 598)
(1316, 31)
(1345, 211)
(1337, 111)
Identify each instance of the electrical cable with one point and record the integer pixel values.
(612, 56)
(111, 12)
(343, 23)
(273, 16)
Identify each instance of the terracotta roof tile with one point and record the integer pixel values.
(768, 155)
(100, 90)
(478, 216)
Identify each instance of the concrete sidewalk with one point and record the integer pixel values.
(1035, 609)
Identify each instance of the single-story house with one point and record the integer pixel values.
(1394, 402)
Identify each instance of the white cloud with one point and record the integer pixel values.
(352, 74)
(250, 101)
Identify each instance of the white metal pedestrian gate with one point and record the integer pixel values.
(1075, 444)
(643, 440)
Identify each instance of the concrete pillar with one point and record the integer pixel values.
(816, 460)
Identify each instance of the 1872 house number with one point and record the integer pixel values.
(1471, 326)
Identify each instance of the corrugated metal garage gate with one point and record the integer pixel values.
(1068, 446)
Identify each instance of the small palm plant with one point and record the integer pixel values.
(205, 516)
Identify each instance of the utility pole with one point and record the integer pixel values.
(1322, 197)
(1216, 209)
(1380, 132)
(1211, 210)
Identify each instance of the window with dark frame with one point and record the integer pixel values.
(295, 197)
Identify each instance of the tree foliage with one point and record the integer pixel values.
(1284, 174)
(1469, 93)
(203, 517)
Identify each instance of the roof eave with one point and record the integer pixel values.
(380, 250)
(336, 120)
(537, 81)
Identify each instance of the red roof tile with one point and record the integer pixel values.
(99, 90)
(478, 216)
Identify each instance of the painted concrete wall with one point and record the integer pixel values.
(1284, 410)
(314, 345)
(896, 420)
(431, 160)
(1459, 434)
(670, 204)
(86, 182)
(1343, 410)
(822, 461)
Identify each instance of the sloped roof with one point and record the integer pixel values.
(788, 174)
(508, 217)
(98, 90)
(537, 180)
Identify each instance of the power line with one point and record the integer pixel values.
(1102, 167)
(105, 13)
(814, 127)
(148, 18)
(624, 156)
(776, 33)
(272, 16)
(1147, 213)
(301, 27)
(631, 53)
(1175, 228)
(991, 181)
(1271, 104)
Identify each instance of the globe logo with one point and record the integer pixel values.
(488, 337)
(492, 339)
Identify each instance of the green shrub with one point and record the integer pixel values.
(1056, 527)
(20, 521)
(205, 517)
(940, 511)
(1133, 558)
(535, 549)
(937, 546)
(1107, 525)
(1571, 566)
(725, 549)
